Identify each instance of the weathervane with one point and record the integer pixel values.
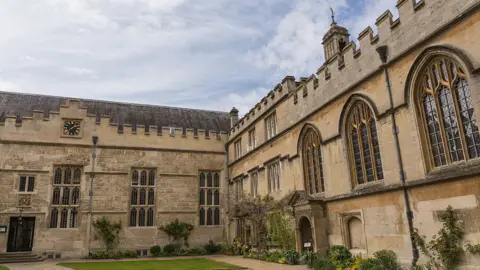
(333, 16)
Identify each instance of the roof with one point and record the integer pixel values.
(20, 105)
(334, 29)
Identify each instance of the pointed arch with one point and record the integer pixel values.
(309, 147)
(438, 87)
(358, 127)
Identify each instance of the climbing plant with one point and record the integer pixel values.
(282, 230)
(108, 231)
(445, 249)
(178, 231)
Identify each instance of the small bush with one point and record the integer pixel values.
(170, 249)
(196, 252)
(340, 256)
(292, 256)
(387, 259)
(371, 264)
(320, 263)
(308, 257)
(212, 248)
(100, 255)
(130, 254)
(156, 250)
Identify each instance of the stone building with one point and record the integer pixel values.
(147, 170)
(380, 140)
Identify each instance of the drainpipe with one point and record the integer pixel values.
(227, 181)
(92, 175)
(382, 52)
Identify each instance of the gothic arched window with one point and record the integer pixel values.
(312, 162)
(364, 150)
(448, 115)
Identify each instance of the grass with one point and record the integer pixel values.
(3, 268)
(186, 264)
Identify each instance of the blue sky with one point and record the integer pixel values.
(206, 54)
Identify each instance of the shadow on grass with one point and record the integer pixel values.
(181, 264)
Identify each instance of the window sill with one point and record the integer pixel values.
(375, 184)
(210, 226)
(65, 229)
(142, 227)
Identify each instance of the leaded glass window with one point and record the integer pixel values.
(364, 149)
(142, 198)
(209, 198)
(448, 114)
(65, 197)
(312, 162)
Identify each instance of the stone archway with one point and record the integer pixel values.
(306, 233)
(355, 233)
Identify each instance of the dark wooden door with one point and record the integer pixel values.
(20, 234)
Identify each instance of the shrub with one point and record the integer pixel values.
(308, 257)
(156, 251)
(108, 232)
(177, 231)
(196, 251)
(274, 256)
(340, 257)
(171, 249)
(371, 264)
(130, 254)
(291, 256)
(320, 263)
(99, 255)
(212, 248)
(387, 259)
(282, 260)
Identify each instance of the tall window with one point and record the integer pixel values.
(65, 197)
(142, 198)
(252, 140)
(312, 162)
(271, 125)
(239, 189)
(273, 176)
(364, 149)
(254, 184)
(448, 113)
(209, 203)
(238, 148)
(27, 184)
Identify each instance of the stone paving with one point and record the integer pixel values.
(249, 263)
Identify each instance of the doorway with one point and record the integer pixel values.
(306, 234)
(20, 234)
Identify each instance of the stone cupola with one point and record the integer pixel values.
(335, 40)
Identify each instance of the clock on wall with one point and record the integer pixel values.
(71, 128)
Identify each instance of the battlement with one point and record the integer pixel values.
(49, 128)
(345, 69)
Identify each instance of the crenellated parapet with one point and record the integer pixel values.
(50, 128)
(418, 20)
(279, 92)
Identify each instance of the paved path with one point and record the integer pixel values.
(249, 263)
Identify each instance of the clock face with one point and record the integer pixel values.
(71, 128)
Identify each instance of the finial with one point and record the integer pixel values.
(333, 16)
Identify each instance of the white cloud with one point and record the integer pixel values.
(171, 52)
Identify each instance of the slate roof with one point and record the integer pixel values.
(20, 105)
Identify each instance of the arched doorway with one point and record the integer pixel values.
(355, 230)
(306, 234)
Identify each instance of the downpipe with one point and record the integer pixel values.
(382, 52)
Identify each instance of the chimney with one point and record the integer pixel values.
(233, 117)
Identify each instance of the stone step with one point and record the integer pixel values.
(20, 258)
(17, 254)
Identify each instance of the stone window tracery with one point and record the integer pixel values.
(209, 199)
(363, 146)
(312, 162)
(142, 198)
(65, 197)
(448, 113)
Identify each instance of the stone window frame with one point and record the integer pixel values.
(146, 206)
(360, 114)
(27, 184)
(204, 207)
(430, 80)
(254, 184)
(345, 218)
(314, 178)
(238, 148)
(273, 176)
(65, 215)
(252, 139)
(271, 125)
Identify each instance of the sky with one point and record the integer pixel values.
(204, 54)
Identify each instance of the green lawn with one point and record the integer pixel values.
(3, 268)
(187, 264)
